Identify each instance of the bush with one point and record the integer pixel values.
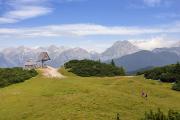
(170, 73)
(176, 86)
(15, 75)
(159, 115)
(167, 77)
(87, 68)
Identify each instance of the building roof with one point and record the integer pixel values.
(43, 56)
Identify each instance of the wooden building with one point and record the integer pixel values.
(43, 57)
(30, 64)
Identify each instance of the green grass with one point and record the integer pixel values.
(77, 98)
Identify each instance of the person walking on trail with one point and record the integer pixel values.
(146, 96)
(142, 93)
(118, 118)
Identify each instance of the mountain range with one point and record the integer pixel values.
(144, 59)
(124, 54)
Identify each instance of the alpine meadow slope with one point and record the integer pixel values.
(89, 59)
(89, 98)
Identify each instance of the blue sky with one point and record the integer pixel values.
(91, 24)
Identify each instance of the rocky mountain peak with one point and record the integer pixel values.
(119, 49)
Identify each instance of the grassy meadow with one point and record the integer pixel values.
(85, 98)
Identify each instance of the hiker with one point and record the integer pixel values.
(118, 118)
(146, 96)
(142, 94)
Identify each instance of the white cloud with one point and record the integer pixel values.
(168, 15)
(86, 30)
(152, 3)
(7, 20)
(27, 12)
(24, 13)
(162, 34)
(18, 10)
(152, 43)
(23, 9)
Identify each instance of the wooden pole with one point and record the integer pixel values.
(42, 63)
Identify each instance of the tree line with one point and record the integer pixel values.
(159, 115)
(87, 68)
(169, 73)
(10, 76)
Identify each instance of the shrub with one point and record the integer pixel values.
(15, 75)
(87, 68)
(176, 86)
(170, 73)
(168, 77)
(159, 115)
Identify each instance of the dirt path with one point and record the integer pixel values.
(51, 72)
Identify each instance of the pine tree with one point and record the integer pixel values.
(112, 63)
(177, 68)
(99, 60)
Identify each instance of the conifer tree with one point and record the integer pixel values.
(112, 63)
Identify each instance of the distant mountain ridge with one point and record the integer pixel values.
(144, 59)
(4, 62)
(175, 50)
(125, 54)
(70, 54)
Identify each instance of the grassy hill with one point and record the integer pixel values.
(83, 98)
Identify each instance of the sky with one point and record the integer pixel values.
(90, 24)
